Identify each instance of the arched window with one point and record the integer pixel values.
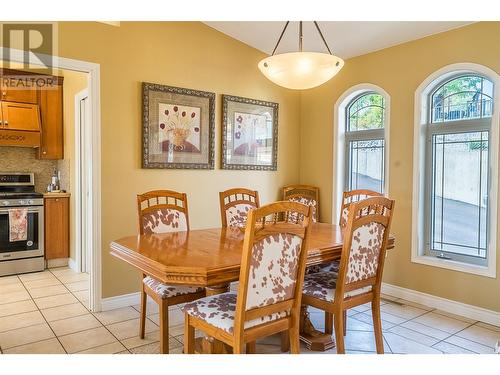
(457, 168)
(365, 142)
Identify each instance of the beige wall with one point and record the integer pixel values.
(399, 71)
(181, 54)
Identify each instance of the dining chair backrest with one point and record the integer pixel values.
(305, 194)
(162, 211)
(353, 196)
(365, 244)
(273, 263)
(235, 204)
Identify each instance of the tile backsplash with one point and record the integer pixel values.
(23, 159)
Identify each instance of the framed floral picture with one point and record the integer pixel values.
(249, 134)
(178, 127)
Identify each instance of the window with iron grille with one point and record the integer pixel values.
(365, 143)
(457, 173)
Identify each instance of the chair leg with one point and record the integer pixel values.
(163, 327)
(338, 322)
(285, 341)
(345, 322)
(377, 325)
(328, 322)
(251, 347)
(294, 340)
(144, 298)
(188, 336)
(238, 347)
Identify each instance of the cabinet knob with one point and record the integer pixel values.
(6, 123)
(45, 152)
(57, 199)
(4, 93)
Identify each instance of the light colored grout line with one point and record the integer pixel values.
(454, 335)
(90, 312)
(102, 324)
(57, 338)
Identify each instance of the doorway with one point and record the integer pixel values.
(89, 161)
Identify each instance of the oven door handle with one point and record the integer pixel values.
(30, 211)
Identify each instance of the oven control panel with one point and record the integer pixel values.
(21, 202)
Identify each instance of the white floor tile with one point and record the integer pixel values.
(402, 345)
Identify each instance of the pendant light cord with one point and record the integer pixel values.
(322, 37)
(301, 37)
(281, 36)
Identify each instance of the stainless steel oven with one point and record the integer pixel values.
(17, 192)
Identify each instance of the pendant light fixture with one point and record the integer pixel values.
(301, 70)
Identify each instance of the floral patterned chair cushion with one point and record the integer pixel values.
(164, 221)
(167, 291)
(322, 285)
(236, 216)
(219, 311)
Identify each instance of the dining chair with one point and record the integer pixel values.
(305, 194)
(270, 284)
(348, 197)
(235, 204)
(352, 196)
(361, 265)
(163, 211)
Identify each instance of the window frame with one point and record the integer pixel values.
(363, 135)
(421, 181)
(338, 151)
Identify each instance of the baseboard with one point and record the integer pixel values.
(54, 263)
(72, 265)
(447, 305)
(125, 300)
(118, 302)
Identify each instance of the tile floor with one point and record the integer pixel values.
(47, 313)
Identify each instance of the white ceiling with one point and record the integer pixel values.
(346, 39)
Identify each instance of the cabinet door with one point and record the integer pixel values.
(20, 116)
(51, 107)
(56, 228)
(30, 95)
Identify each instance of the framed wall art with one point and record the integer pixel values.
(178, 127)
(249, 134)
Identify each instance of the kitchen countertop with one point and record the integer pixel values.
(56, 195)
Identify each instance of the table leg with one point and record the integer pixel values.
(208, 344)
(315, 340)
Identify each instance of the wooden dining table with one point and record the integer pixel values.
(211, 258)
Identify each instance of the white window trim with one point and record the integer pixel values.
(418, 204)
(339, 126)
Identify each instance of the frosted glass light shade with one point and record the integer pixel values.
(300, 70)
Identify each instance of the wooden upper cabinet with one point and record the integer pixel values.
(20, 116)
(29, 95)
(51, 107)
(32, 109)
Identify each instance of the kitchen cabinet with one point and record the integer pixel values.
(26, 110)
(52, 137)
(28, 95)
(56, 210)
(20, 116)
